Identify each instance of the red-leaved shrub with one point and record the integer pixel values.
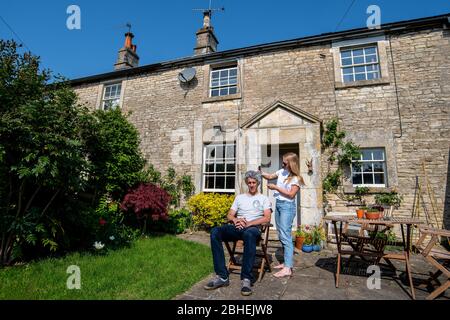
(147, 200)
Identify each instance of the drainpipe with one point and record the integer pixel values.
(396, 91)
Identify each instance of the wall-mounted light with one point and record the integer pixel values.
(217, 130)
(310, 166)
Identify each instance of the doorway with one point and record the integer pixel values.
(271, 159)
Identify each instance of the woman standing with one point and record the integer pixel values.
(288, 184)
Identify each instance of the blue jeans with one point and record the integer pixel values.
(284, 216)
(230, 233)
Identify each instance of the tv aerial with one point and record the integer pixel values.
(187, 75)
(210, 10)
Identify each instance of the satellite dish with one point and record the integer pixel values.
(187, 75)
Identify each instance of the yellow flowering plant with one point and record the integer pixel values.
(210, 209)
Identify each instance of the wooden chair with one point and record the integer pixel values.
(438, 257)
(236, 248)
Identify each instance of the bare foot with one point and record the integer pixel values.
(285, 272)
(280, 266)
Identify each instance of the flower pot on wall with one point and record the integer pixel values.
(307, 248)
(299, 242)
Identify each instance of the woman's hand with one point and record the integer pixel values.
(272, 186)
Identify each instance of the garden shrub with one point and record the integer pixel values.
(179, 188)
(179, 220)
(111, 230)
(116, 161)
(147, 201)
(210, 209)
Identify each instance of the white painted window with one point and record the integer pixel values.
(223, 81)
(219, 167)
(111, 96)
(360, 63)
(370, 168)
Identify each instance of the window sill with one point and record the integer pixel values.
(222, 98)
(361, 83)
(372, 190)
(219, 191)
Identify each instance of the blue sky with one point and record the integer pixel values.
(165, 30)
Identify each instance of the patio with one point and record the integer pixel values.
(314, 279)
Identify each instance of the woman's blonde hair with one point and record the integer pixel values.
(294, 167)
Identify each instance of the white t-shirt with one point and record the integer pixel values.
(250, 207)
(282, 176)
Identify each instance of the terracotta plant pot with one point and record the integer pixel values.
(360, 213)
(373, 215)
(299, 242)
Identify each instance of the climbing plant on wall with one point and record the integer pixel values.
(339, 154)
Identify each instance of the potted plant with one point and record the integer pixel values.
(389, 201)
(360, 193)
(307, 243)
(318, 235)
(373, 213)
(361, 211)
(300, 237)
(388, 236)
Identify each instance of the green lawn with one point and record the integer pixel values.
(159, 267)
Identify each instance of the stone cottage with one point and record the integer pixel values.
(216, 114)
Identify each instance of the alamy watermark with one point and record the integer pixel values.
(374, 20)
(73, 22)
(374, 280)
(74, 280)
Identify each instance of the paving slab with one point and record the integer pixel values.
(314, 279)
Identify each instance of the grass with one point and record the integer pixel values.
(155, 268)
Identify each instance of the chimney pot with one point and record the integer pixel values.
(206, 39)
(206, 19)
(129, 40)
(127, 57)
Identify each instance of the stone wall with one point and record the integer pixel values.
(370, 116)
(304, 77)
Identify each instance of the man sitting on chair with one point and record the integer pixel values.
(247, 213)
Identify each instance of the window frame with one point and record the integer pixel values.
(220, 87)
(117, 97)
(384, 172)
(214, 173)
(353, 65)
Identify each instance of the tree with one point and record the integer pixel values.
(41, 154)
(57, 159)
(113, 151)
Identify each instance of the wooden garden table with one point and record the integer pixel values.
(371, 246)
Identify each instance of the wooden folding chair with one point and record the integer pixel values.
(237, 249)
(438, 257)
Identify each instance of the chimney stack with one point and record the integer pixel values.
(127, 57)
(206, 40)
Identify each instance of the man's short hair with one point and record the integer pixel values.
(253, 175)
